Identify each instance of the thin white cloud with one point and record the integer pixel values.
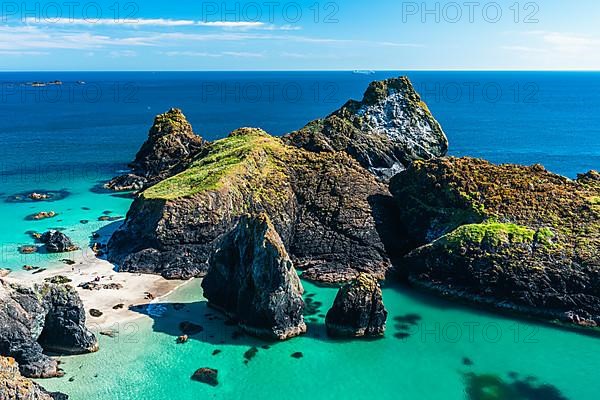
(23, 53)
(110, 22)
(188, 53)
(123, 53)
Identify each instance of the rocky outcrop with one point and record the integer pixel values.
(358, 310)
(385, 132)
(326, 208)
(170, 145)
(512, 237)
(252, 278)
(44, 318)
(57, 242)
(13, 386)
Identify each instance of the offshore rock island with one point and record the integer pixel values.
(369, 190)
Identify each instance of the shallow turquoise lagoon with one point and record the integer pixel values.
(432, 350)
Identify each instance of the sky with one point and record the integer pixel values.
(153, 35)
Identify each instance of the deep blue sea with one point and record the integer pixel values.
(71, 137)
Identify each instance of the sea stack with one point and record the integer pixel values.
(358, 310)
(252, 279)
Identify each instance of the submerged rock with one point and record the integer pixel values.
(358, 310)
(57, 242)
(385, 132)
(171, 144)
(13, 386)
(44, 318)
(515, 238)
(209, 376)
(251, 278)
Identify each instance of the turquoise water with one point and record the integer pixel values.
(74, 143)
(144, 362)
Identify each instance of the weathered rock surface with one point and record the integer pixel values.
(57, 242)
(44, 318)
(171, 144)
(385, 132)
(516, 238)
(326, 208)
(358, 310)
(252, 278)
(13, 386)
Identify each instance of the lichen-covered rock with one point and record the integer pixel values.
(385, 132)
(170, 145)
(358, 310)
(325, 207)
(13, 386)
(513, 237)
(57, 242)
(44, 318)
(252, 278)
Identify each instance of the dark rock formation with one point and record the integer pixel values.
(13, 386)
(209, 376)
(57, 242)
(358, 310)
(252, 279)
(44, 318)
(385, 132)
(515, 238)
(170, 146)
(325, 207)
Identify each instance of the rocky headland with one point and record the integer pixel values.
(13, 386)
(369, 190)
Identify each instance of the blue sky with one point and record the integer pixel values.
(299, 35)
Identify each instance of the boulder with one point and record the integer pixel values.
(13, 386)
(57, 242)
(358, 310)
(385, 132)
(43, 318)
(252, 279)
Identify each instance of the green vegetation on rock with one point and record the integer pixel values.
(244, 151)
(493, 233)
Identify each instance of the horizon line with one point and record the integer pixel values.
(317, 70)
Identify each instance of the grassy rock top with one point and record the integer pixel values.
(245, 151)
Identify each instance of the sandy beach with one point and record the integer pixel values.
(114, 304)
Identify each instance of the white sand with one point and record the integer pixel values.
(134, 290)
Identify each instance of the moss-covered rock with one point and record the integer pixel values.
(514, 237)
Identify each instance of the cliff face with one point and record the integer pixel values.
(385, 132)
(170, 146)
(43, 318)
(320, 204)
(514, 237)
(13, 386)
(252, 278)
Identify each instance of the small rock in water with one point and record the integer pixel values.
(207, 375)
(178, 306)
(297, 354)
(217, 351)
(110, 333)
(67, 261)
(265, 347)
(28, 249)
(183, 339)
(467, 361)
(71, 379)
(95, 313)
(250, 354)
(84, 222)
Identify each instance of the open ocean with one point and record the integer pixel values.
(71, 137)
